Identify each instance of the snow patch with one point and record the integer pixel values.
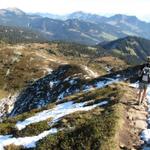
(49, 70)
(108, 69)
(90, 72)
(58, 112)
(135, 85)
(145, 135)
(7, 104)
(27, 142)
(100, 84)
(8, 72)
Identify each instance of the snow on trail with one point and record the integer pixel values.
(57, 113)
(27, 142)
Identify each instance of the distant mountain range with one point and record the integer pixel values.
(77, 27)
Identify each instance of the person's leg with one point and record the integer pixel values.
(139, 96)
(141, 88)
(144, 95)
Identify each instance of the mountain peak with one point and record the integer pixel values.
(12, 10)
(123, 17)
(78, 12)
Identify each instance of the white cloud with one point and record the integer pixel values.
(139, 8)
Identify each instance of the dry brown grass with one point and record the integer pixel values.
(13, 147)
(21, 63)
(111, 61)
(3, 93)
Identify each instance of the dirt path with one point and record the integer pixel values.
(135, 121)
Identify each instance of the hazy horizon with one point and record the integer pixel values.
(138, 8)
(102, 14)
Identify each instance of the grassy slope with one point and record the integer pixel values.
(94, 130)
(133, 50)
(21, 64)
(102, 128)
(97, 129)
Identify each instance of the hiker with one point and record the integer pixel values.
(144, 81)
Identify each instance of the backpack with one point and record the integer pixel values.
(145, 75)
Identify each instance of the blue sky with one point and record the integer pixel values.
(139, 8)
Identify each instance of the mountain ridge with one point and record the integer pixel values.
(133, 49)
